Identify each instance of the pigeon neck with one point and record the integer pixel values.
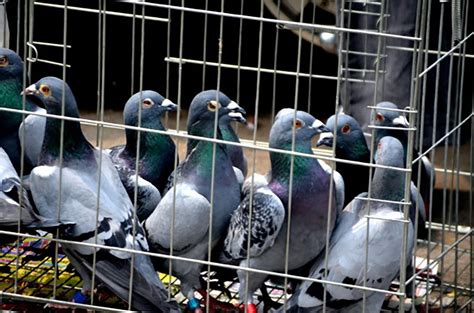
(302, 166)
(75, 145)
(150, 143)
(228, 133)
(355, 151)
(388, 184)
(206, 130)
(10, 97)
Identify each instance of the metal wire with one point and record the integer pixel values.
(449, 238)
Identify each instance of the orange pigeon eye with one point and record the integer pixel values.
(147, 103)
(379, 117)
(346, 129)
(299, 124)
(3, 61)
(45, 90)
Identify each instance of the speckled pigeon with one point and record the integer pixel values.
(351, 145)
(346, 255)
(191, 207)
(269, 225)
(11, 85)
(112, 225)
(385, 116)
(156, 155)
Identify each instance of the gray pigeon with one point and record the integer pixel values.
(156, 155)
(269, 221)
(351, 145)
(191, 208)
(11, 85)
(12, 209)
(346, 255)
(385, 116)
(111, 224)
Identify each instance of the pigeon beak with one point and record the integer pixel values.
(401, 121)
(30, 91)
(325, 139)
(168, 105)
(234, 107)
(320, 127)
(238, 117)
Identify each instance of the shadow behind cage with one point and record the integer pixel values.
(255, 58)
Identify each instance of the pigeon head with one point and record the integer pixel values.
(389, 152)
(389, 184)
(204, 108)
(305, 127)
(49, 92)
(350, 141)
(385, 115)
(11, 65)
(151, 104)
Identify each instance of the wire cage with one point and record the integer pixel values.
(321, 57)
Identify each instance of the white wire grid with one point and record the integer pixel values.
(449, 243)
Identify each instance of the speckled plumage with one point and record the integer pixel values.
(309, 205)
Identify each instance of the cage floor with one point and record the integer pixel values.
(31, 265)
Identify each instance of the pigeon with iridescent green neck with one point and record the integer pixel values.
(308, 214)
(11, 85)
(92, 196)
(347, 255)
(156, 155)
(191, 203)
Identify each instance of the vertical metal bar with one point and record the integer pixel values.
(132, 66)
(254, 152)
(176, 156)
(214, 152)
(239, 51)
(204, 48)
(311, 52)
(102, 48)
(137, 159)
(293, 144)
(275, 65)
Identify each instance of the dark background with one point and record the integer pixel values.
(83, 32)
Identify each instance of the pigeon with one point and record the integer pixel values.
(228, 134)
(91, 195)
(270, 212)
(236, 153)
(181, 219)
(157, 151)
(11, 85)
(346, 254)
(351, 145)
(12, 209)
(385, 116)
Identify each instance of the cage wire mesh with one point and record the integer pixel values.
(36, 273)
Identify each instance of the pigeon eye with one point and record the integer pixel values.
(212, 105)
(3, 61)
(379, 117)
(299, 124)
(147, 103)
(346, 129)
(45, 90)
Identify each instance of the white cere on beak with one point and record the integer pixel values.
(401, 120)
(233, 106)
(317, 123)
(31, 90)
(236, 114)
(167, 103)
(325, 135)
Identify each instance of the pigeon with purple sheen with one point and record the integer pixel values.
(270, 208)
